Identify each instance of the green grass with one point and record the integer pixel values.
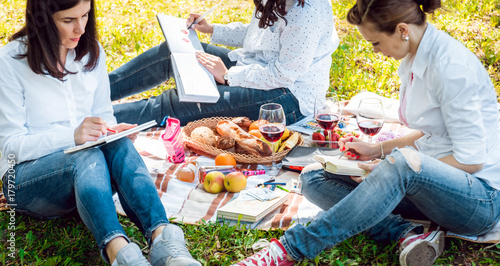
(128, 28)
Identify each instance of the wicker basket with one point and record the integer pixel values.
(212, 152)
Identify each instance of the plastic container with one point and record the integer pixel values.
(172, 139)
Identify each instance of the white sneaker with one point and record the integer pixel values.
(169, 249)
(130, 255)
(421, 250)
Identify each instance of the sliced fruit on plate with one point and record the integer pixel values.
(290, 142)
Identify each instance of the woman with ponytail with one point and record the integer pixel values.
(446, 171)
(285, 57)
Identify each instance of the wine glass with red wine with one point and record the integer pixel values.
(327, 112)
(272, 127)
(370, 117)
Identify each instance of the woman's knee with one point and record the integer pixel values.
(310, 177)
(406, 157)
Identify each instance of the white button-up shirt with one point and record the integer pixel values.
(38, 113)
(451, 99)
(294, 55)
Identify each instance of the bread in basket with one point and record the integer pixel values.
(212, 152)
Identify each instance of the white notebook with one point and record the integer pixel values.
(194, 82)
(110, 138)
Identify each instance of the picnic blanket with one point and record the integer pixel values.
(190, 203)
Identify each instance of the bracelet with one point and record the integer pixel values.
(382, 151)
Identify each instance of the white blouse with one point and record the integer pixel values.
(449, 97)
(38, 113)
(294, 55)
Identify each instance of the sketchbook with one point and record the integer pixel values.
(194, 82)
(251, 210)
(338, 166)
(110, 138)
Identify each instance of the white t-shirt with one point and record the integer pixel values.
(39, 113)
(451, 99)
(294, 55)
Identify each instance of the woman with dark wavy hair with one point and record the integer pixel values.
(285, 57)
(447, 170)
(55, 95)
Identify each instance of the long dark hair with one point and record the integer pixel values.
(387, 14)
(42, 38)
(271, 11)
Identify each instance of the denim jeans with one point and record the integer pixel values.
(154, 67)
(446, 195)
(56, 184)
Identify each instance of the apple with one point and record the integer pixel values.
(235, 182)
(214, 182)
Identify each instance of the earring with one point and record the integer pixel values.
(405, 38)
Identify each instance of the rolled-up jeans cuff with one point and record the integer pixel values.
(290, 250)
(150, 231)
(415, 227)
(108, 239)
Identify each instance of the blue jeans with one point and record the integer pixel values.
(446, 195)
(154, 67)
(56, 184)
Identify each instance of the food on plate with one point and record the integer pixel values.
(225, 159)
(290, 142)
(204, 135)
(256, 124)
(243, 122)
(256, 133)
(235, 182)
(246, 141)
(214, 182)
(225, 142)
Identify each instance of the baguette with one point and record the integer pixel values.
(246, 141)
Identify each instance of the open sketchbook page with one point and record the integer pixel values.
(111, 138)
(342, 166)
(194, 82)
(197, 83)
(179, 38)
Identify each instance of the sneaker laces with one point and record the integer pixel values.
(176, 248)
(265, 256)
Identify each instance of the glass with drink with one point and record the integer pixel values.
(370, 117)
(327, 112)
(272, 129)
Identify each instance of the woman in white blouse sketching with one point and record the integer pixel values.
(54, 90)
(285, 57)
(447, 171)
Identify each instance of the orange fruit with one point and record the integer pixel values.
(225, 159)
(256, 133)
(255, 124)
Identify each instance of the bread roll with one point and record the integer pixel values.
(246, 141)
(204, 135)
(225, 142)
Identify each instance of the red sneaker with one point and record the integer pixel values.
(421, 249)
(273, 254)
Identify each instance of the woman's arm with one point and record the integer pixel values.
(370, 151)
(14, 136)
(232, 34)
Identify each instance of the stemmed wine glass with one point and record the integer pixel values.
(370, 117)
(272, 128)
(327, 112)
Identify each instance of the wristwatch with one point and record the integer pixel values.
(226, 78)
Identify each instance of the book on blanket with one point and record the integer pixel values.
(110, 138)
(341, 166)
(194, 82)
(251, 210)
